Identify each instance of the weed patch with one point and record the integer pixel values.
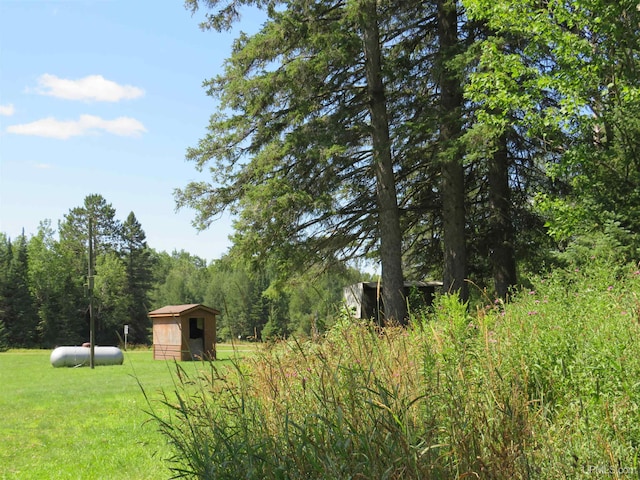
(545, 386)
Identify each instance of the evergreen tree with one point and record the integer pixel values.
(5, 260)
(139, 264)
(106, 239)
(451, 153)
(237, 290)
(18, 307)
(305, 152)
(74, 229)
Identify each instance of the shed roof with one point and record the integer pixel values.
(433, 283)
(178, 310)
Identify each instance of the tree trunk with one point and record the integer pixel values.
(500, 226)
(452, 183)
(395, 308)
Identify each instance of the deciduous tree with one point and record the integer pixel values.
(58, 290)
(584, 56)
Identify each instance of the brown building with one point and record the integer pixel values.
(184, 332)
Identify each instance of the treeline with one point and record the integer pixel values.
(44, 297)
(255, 302)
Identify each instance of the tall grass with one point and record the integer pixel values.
(546, 386)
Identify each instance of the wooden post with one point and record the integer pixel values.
(90, 291)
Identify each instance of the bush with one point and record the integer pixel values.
(545, 386)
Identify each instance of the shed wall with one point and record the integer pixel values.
(167, 338)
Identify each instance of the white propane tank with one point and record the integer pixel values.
(79, 356)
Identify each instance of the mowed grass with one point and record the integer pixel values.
(76, 423)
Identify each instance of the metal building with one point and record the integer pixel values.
(364, 299)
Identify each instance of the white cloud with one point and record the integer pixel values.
(85, 125)
(7, 110)
(90, 88)
(43, 166)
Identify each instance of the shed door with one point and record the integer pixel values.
(196, 337)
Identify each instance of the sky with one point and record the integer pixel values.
(104, 97)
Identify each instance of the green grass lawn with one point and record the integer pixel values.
(80, 423)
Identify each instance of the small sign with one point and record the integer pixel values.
(126, 334)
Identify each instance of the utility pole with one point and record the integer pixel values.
(90, 292)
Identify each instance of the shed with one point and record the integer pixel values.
(184, 332)
(364, 299)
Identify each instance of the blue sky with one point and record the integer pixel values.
(105, 96)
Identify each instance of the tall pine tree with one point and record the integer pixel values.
(313, 150)
(139, 278)
(19, 314)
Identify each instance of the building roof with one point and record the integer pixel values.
(179, 310)
(434, 283)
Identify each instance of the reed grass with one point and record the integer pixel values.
(545, 386)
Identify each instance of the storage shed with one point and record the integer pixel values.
(184, 332)
(364, 299)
